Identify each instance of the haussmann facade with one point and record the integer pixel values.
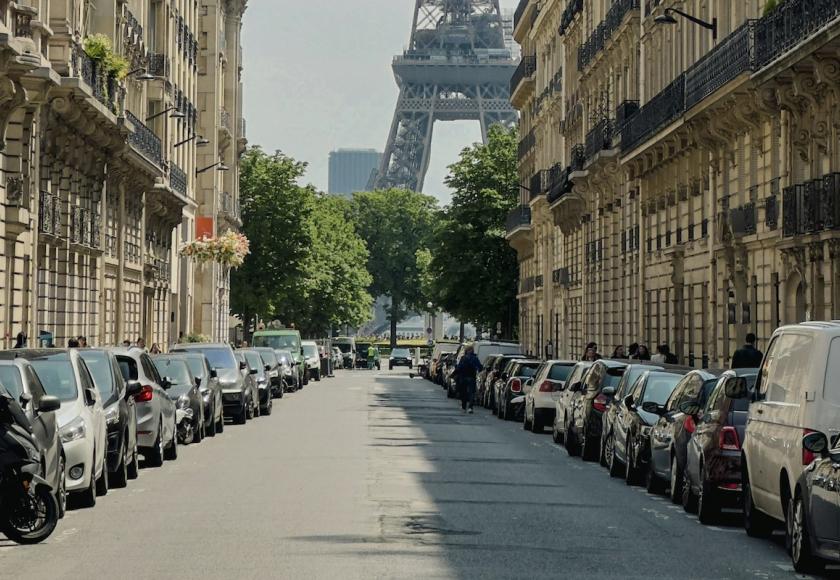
(98, 174)
(680, 185)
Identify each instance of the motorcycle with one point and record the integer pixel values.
(28, 507)
(184, 421)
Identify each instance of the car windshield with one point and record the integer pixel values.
(659, 387)
(560, 372)
(254, 361)
(290, 341)
(220, 358)
(526, 371)
(10, 378)
(176, 370)
(613, 377)
(57, 376)
(196, 364)
(268, 357)
(743, 405)
(99, 366)
(285, 357)
(400, 352)
(310, 350)
(344, 347)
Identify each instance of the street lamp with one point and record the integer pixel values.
(199, 141)
(219, 165)
(667, 18)
(143, 76)
(176, 115)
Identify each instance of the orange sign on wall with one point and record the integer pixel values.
(204, 227)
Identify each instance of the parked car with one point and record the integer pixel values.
(562, 406)
(184, 392)
(81, 419)
(291, 378)
(262, 380)
(493, 375)
(814, 532)
(249, 376)
(713, 459)
(313, 360)
(400, 357)
(796, 392)
(284, 339)
(273, 369)
(346, 346)
(120, 414)
(237, 393)
(435, 367)
(22, 383)
(481, 378)
(588, 404)
(156, 429)
(629, 445)
(211, 392)
(669, 436)
(614, 400)
(549, 381)
(446, 361)
(521, 371)
(484, 348)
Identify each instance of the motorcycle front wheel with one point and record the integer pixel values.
(33, 519)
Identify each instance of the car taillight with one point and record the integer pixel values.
(600, 403)
(145, 394)
(728, 439)
(546, 387)
(689, 425)
(807, 456)
(515, 385)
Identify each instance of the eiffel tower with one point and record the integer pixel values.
(457, 67)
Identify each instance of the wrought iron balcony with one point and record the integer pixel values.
(178, 179)
(23, 16)
(725, 62)
(624, 112)
(559, 182)
(537, 184)
(108, 90)
(573, 8)
(538, 282)
(743, 220)
(771, 212)
(789, 24)
(811, 207)
(527, 285)
(526, 144)
(518, 218)
(605, 31)
(144, 140)
(661, 110)
(577, 158)
(158, 65)
(49, 214)
(525, 70)
(599, 138)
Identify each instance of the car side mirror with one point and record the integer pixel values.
(608, 391)
(166, 383)
(24, 399)
(242, 366)
(816, 443)
(90, 397)
(267, 368)
(49, 404)
(628, 401)
(736, 388)
(691, 408)
(652, 408)
(197, 381)
(254, 371)
(214, 373)
(132, 389)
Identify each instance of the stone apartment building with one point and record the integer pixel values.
(680, 180)
(98, 174)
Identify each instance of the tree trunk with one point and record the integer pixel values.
(461, 332)
(393, 329)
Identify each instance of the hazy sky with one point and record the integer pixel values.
(318, 77)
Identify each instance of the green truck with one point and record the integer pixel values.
(284, 339)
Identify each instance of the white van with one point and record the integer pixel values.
(484, 348)
(797, 392)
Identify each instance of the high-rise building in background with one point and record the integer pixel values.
(350, 170)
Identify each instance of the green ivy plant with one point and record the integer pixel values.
(769, 6)
(98, 48)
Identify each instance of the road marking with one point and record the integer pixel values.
(656, 513)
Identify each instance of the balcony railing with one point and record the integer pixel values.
(599, 138)
(661, 110)
(158, 65)
(743, 220)
(144, 140)
(527, 285)
(108, 90)
(624, 112)
(537, 184)
(526, 68)
(811, 207)
(605, 31)
(49, 214)
(526, 144)
(519, 217)
(577, 158)
(725, 62)
(178, 179)
(791, 22)
(573, 8)
(559, 182)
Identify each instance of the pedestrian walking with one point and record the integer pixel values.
(748, 356)
(549, 350)
(371, 357)
(465, 372)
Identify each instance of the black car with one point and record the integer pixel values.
(669, 436)
(120, 414)
(520, 371)
(400, 357)
(629, 444)
(614, 398)
(440, 370)
(482, 377)
(260, 376)
(274, 370)
(494, 374)
(211, 392)
(813, 532)
(183, 390)
(588, 404)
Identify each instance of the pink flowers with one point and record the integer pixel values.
(229, 249)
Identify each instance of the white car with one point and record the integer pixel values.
(81, 420)
(312, 358)
(544, 391)
(797, 392)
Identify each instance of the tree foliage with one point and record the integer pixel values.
(396, 225)
(307, 264)
(472, 272)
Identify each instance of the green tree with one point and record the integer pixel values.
(396, 225)
(473, 271)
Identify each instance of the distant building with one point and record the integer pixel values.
(350, 170)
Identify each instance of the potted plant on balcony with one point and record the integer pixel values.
(109, 67)
(229, 250)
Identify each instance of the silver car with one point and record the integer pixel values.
(236, 392)
(211, 392)
(156, 429)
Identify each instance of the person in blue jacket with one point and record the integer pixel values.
(466, 371)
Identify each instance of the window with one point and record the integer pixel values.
(787, 362)
(10, 379)
(559, 372)
(35, 386)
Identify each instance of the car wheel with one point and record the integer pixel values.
(242, 416)
(102, 480)
(602, 458)
(61, 492)
(155, 456)
(652, 482)
(268, 408)
(526, 425)
(390, 367)
(120, 476)
(756, 524)
(708, 508)
(689, 500)
(87, 498)
(171, 453)
(799, 541)
(612, 461)
(675, 487)
(587, 450)
(536, 424)
(220, 426)
(134, 467)
(555, 435)
(198, 431)
(572, 445)
(317, 376)
(211, 431)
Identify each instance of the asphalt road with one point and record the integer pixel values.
(376, 475)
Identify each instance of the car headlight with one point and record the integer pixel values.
(287, 371)
(112, 415)
(262, 381)
(183, 402)
(73, 431)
